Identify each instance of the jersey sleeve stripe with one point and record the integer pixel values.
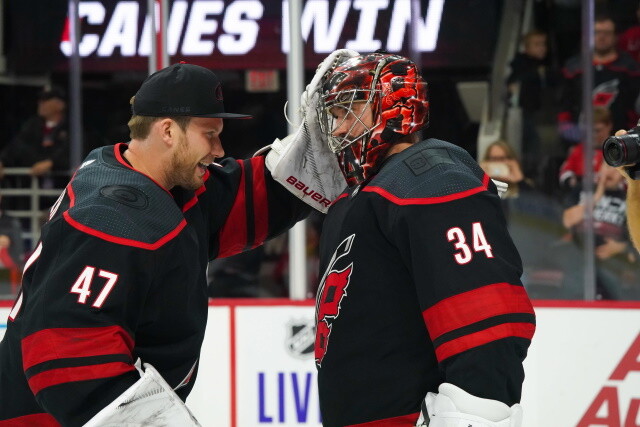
(453, 347)
(59, 343)
(53, 377)
(121, 240)
(233, 235)
(485, 324)
(475, 305)
(260, 202)
(191, 203)
(426, 200)
(40, 420)
(249, 210)
(401, 421)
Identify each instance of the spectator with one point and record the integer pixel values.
(501, 163)
(616, 83)
(530, 76)
(629, 41)
(572, 169)
(616, 261)
(42, 143)
(11, 247)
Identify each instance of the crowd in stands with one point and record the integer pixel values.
(544, 170)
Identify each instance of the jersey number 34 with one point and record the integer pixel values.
(463, 252)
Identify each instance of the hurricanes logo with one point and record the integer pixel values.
(332, 290)
(606, 93)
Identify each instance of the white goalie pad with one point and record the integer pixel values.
(454, 407)
(148, 402)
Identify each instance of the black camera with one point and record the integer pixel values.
(624, 150)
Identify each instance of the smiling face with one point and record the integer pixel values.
(195, 149)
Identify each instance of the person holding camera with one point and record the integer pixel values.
(622, 151)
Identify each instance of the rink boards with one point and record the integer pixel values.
(257, 365)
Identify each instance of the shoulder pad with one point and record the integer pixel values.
(430, 169)
(120, 204)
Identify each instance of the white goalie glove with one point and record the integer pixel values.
(454, 407)
(148, 402)
(302, 162)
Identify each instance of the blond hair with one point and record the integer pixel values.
(140, 126)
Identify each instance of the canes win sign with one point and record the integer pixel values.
(255, 33)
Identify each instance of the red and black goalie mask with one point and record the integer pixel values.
(368, 102)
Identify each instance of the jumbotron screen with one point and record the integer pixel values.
(241, 34)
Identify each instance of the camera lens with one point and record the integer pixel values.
(613, 153)
(622, 150)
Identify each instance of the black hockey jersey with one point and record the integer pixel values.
(421, 286)
(119, 274)
(616, 85)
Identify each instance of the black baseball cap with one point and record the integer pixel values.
(52, 92)
(182, 90)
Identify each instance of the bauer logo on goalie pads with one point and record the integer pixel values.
(314, 195)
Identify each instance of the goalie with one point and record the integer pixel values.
(421, 315)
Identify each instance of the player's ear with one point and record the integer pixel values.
(167, 129)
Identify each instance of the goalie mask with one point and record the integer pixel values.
(368, 103)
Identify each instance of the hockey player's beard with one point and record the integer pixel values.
(181, 168)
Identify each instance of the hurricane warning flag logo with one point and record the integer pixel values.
(332, 290)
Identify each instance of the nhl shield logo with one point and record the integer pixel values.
(301, 336)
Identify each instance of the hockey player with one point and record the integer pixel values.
(421, 314)
(118, 275)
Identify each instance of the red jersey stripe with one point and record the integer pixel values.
(342, 196)
(191, 203)
(424, 200)
(402, 421)
(53, 377)
(260, 202)
(40, 420)
(59, 343)
(475, 305)
(458, 345)
(233, 235)
(121, 240)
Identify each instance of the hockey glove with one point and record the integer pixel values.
(302, 162)
(454, 407)
(150, 401)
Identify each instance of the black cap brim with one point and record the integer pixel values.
(225, 116)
